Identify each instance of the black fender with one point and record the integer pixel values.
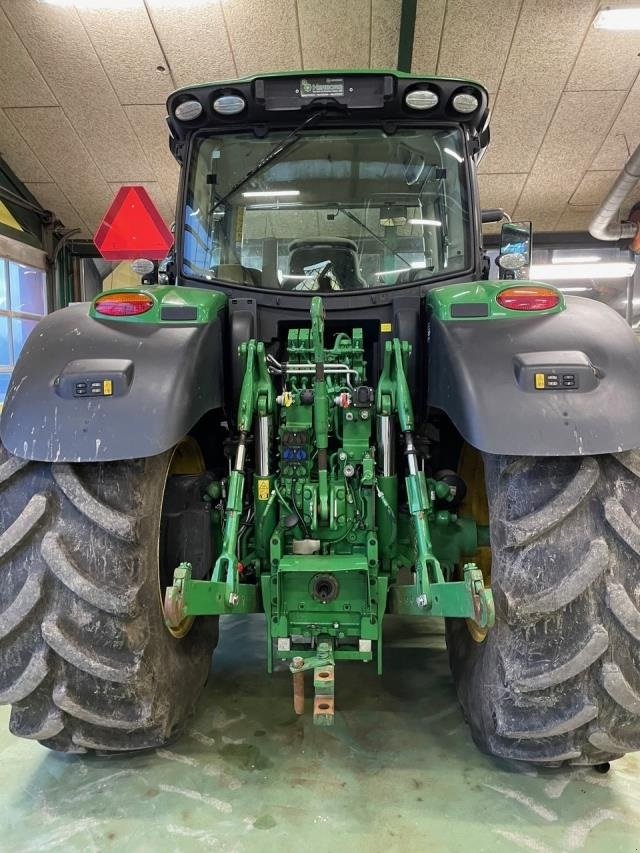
(164, 377)
(482, 374)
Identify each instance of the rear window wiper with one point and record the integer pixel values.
(282, 146)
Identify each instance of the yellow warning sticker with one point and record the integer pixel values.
(385, 327)
(539, 381)
(107, 387)
(263, 490)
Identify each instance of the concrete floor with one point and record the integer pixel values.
(398, 772)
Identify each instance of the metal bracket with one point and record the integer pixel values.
(466, 599)
(323, 667)
(189, 597)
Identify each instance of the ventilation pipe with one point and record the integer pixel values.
(602, 226)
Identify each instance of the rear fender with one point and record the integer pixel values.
(154, 377)
(482, 373)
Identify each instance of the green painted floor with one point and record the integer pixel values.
(398, 772)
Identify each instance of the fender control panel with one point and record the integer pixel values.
(91, 378)
(566, 371)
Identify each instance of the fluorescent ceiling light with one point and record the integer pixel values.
(576, 259)
(418, 265)
(393, 272)
(125, 4)
(271, 193)
(454, 154)
(435, 222)
(94, 4)
(618, 19)
(574, 289)
(560, 272)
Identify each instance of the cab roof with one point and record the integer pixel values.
(286, 99)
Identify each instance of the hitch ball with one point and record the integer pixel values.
(324, 588)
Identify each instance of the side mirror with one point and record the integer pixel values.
(515, 250)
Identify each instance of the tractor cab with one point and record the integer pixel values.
(358, 186)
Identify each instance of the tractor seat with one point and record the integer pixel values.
(341, 252)
(237, 274)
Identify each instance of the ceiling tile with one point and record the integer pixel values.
(66, 58)
(567, 149)
(613, 154)
(544, 47)
(426, 38)
(624, 135)
(608, 60)
(62, 153)
(149, 122)
(517, 128)
(21, 84)
(52, 198)
(567, 152)
(170, 190)
(500, 191)
(130, 54)
(17, 153)
(463, 53)
(593, 187)
(277, 49)
(194, 40)
(335, 34)
(576, 217)
(546, 43)
(385, 33)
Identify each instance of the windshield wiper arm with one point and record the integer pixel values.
(282, 146)
(355, 219)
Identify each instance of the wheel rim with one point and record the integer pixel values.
(476, 506)
(186, 459)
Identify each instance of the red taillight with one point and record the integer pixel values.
(123, 304)
(528, 298)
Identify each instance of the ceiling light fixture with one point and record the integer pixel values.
(574, 289)
(618, 19)
(123, 4)
(560, 272)
(109, 5)
(435, 222)
(575, 259)
(270, 193)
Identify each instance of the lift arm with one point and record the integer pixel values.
(224, 593)
(430, 594)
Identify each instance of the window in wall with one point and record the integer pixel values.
(23, 303)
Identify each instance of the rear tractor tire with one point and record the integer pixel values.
(86, 661)
(557, 680)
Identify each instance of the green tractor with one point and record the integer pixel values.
(326, 413)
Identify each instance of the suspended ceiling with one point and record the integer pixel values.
(82, 91)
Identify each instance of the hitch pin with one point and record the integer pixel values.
(297, 673)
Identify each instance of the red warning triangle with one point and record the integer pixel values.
(133, 228)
